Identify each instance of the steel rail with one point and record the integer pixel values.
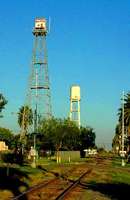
(41, 185)
(72, 186)
(44, 184)
(34, 188)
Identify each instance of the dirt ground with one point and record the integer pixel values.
(106, 180)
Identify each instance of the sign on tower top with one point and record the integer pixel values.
(40, 28)
(40, 23)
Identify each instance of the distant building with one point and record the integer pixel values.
(90, 152)
(3, 146)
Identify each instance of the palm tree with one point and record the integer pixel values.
(126, 113)
(25, 119)
(3, 102)
(126, 116)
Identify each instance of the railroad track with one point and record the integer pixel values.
(34, 188)
(44, 184)
(72, 186)
(60, 184)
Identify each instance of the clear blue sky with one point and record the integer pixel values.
(89, 45)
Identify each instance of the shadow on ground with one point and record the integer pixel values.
(13, 181)
(56, 174)
(115, 191)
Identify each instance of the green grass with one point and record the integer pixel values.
(120, 174)
(121, 177)
(110, 172)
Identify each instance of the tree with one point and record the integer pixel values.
(118, 132)
(71, 140)
(60, 133)
(7, 136)
(16, 142)
(25, 118)
(3, 102)
(116, 142)
(126, 113)
(87, 138)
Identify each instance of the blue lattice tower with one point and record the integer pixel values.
(39, 86)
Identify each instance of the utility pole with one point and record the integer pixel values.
(35, 121)
(123, 133)
(34, 138)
